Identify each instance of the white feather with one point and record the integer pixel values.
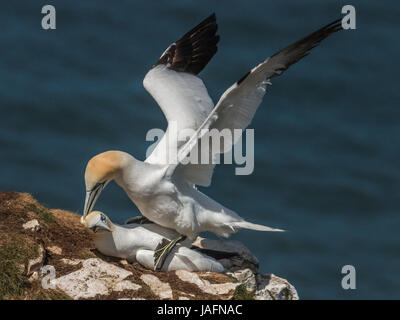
(184, 100)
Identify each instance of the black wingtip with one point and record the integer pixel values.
(298, 50)
(302, 47)
(336, 24)
(211, 17)
(242, 78)
(195, 49)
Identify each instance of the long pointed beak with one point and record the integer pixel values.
(95, 229)
(91, 198)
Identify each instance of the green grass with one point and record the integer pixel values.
(13, 254)
(13, 281)
(241, 293)
(51, 295)
(43, 214)
(87, 254)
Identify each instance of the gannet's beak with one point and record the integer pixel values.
(95, 229)
(91, 198)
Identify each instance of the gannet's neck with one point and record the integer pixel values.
(116, 243)
(138, 178)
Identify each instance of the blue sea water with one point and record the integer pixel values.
(327, 135)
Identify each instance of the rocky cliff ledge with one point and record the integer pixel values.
(36, 241)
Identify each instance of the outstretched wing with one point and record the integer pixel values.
(237, 106)
(172, 82)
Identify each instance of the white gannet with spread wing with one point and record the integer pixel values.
(163, 190)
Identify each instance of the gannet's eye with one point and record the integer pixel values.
(103, 219)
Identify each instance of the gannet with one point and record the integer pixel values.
(165, 192)
(137, 242)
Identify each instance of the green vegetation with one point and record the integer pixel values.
(42, 213)
(87, 254)
(241, 293)
(51, 295)
(14, 255)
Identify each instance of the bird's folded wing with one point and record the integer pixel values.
(237, 106)
(173, 83)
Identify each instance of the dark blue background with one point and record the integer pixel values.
(327, 134)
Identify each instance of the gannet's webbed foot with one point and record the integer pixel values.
(138, 220)
(163, 249)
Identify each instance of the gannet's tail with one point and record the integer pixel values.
(251, 226)
(213, 216)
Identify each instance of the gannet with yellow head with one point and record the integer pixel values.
(163, 190)
(100, 170)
